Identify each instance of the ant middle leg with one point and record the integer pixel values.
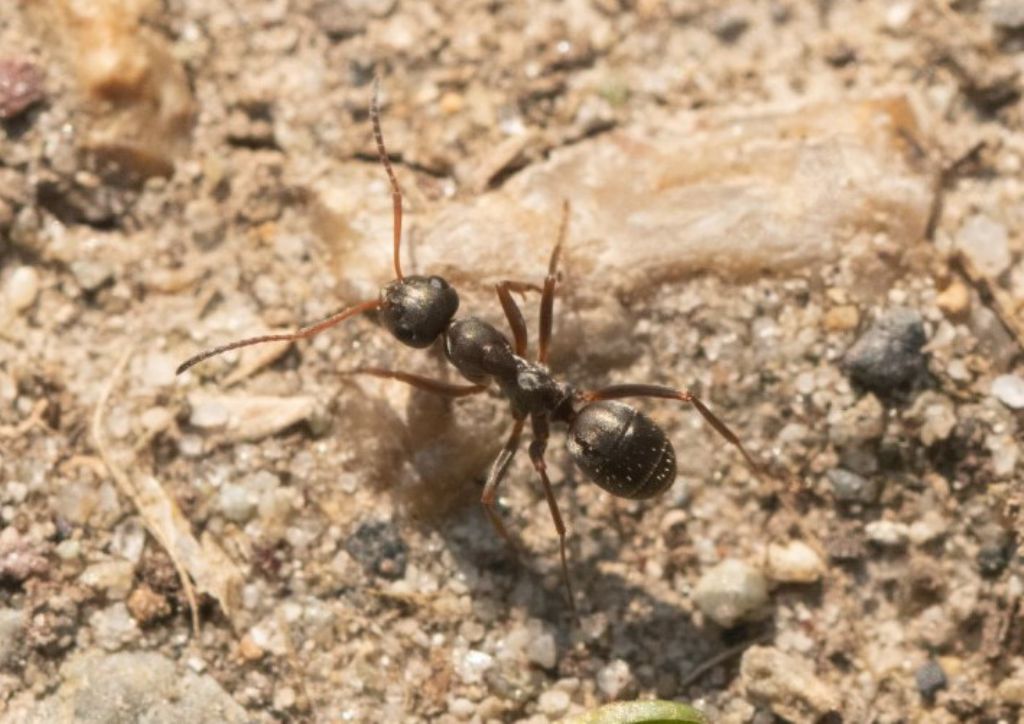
(537, 448)
(437, 387)
(496, 474)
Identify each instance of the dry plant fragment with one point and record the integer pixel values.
(203, 561)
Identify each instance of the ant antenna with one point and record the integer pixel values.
(396, 193)
(303, 333)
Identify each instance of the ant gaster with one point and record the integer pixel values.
(618, 447)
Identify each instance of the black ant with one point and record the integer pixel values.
(618, 447)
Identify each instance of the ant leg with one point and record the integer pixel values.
(537, 448)
(615, 392)
(514, 315)
(437, 387)
(303, 333)
(495, 476)
(547, 301)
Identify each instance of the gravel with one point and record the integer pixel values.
(731, 592)
(761, 231)
(888, 356)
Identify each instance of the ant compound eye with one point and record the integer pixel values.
(417, 309)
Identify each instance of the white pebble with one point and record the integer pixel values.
(22, 288)
(237, 502)
(113, 627)
(887, 532)
(462, 708)
(731, 591)
(554, 702)
(794, 562)
(985, 241)
(613, 679)
(1009, 389)
(113, 577)
(541, 650)
(128, 540)
(472, 665)
(209, 413)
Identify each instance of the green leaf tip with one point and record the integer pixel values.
(641, 712)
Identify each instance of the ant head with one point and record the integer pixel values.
(416, 309)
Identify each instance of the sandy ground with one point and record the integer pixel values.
(840, 277)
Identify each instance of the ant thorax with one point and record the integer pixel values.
(532, 390)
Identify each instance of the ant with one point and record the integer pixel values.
(615, 445)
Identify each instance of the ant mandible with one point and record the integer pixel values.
(617, 446)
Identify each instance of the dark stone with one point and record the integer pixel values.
(379, 550)
(930, 679)
(996, 550)
(849, 487)
(888, 358)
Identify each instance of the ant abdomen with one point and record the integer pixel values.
(417, 309)
(622, 450)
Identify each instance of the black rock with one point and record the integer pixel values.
(888, 358)
(930, 679)
(379, 549)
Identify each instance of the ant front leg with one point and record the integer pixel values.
(537, 448)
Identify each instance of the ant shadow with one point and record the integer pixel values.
(522, 578)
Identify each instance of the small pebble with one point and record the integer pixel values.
(553, 703)
(930, 679)
(379, 549)
(929, 527)
(114, 578)
(729, 26)
(471, 665)
(91, 275)
(888, 356)
(12, 627)
(730, 592)
(462, 708)
(898, 15)
(146, 605)
(887, 532)
(794, 562)
(21, 87)
(1009, 389)
(113, 627)
(954, 299)
(284, 698)
(541, 651)
(1005, 14)
(22, 288)
(237, 502)
(849, 487)
(986, 243)
(249, 649)
(786, 684)
(841, 319)
(614, 679)
(128, 540)
(68, 550)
